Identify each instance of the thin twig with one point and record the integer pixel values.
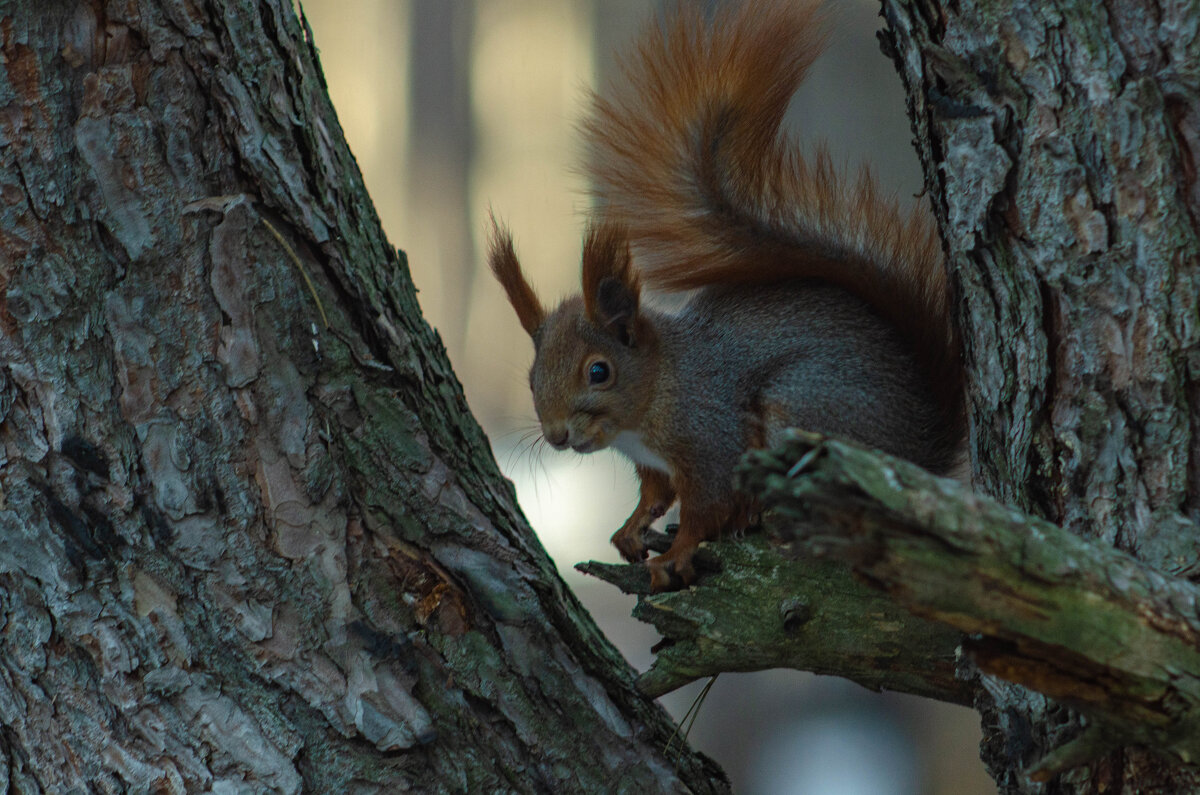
(291, 253)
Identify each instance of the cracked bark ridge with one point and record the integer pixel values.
(243, 550)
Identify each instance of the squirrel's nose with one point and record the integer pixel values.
(557, 437)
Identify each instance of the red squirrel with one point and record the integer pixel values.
(815, 302)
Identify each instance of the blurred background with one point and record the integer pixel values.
(453, 107)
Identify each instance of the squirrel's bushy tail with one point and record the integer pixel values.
(688, 154)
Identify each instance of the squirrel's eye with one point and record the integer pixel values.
(598, 373)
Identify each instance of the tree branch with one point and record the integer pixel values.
(1083, 623)
(764, 606)
(872, 570)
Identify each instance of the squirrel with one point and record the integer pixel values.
(813, 301)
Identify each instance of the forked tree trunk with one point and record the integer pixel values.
(1060, 143)
(250, 537)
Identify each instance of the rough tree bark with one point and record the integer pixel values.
(250, 537)
(1060, 142)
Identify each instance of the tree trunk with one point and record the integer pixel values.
(252, 538)
(1059, 143)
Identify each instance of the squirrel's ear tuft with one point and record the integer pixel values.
(610, 286)
(502, 258)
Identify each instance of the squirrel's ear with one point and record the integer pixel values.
(503, 260)
(610, 286)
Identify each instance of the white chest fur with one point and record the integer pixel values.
(630, 443)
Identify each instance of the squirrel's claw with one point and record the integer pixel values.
(628, 541)
(671, 570)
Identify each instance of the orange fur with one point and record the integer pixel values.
(688, 155)
(657, 496)
(606, 256)
(502, 258)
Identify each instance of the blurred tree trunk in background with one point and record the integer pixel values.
(1059, 143)
(250, 537)
(441, 128)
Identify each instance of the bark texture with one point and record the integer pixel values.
(250, 537)
(1059, 142)
(768, 602)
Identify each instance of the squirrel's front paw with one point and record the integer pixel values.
(628, 541)
(671, 570)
